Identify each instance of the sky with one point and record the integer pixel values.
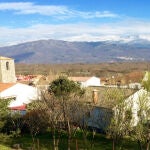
(73, 20)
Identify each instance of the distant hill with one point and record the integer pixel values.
(56, 51)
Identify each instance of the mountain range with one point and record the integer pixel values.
(57, 51)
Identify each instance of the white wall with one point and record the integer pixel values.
(141, 97)
(93, 81)
(23, 93)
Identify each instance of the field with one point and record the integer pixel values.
(126, 71)
(101, 69)
(45, 143)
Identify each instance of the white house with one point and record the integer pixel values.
(20, 93)
(86, 81)
(100, 117)
(135, 85)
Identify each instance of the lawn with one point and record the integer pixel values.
(45, 143)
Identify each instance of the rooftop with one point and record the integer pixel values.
(4, 86)
(5, 58)
(79, 79)
(108, 96)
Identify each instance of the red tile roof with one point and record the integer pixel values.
(79, 79)
(22, 107)
(4, 86)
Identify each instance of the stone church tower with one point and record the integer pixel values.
(7, 70)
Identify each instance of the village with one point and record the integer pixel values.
(74, 75)
(13, 85)
(105, 101)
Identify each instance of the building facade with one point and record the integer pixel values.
(7, 70)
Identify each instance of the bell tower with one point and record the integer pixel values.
(7, 70)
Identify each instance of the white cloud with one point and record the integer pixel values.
(15, 6)
(60, 12)
(145, 36)
(125, 31)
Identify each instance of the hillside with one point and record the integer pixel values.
(55, 51)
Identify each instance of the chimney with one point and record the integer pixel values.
(95, 96)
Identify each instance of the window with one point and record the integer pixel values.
(7, 65)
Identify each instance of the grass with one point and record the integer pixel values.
(45, 143)
(5, 142)
(3, 147)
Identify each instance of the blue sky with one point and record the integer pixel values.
(73, 20)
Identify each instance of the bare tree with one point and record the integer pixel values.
(54, 116)
(68, 93)
(141, 131)
(35, 120)
(120, 124)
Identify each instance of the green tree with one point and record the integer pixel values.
(143, 126)
(146, 81)
(64, 88)
(4, 111)
(141, 132)
(67, 92)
